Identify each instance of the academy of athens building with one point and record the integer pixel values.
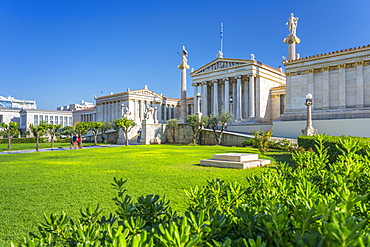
(241, 87)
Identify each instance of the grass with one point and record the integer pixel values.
(27, 146)
(50, 182)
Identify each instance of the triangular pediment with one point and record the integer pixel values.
(219, 64)
(145, 92)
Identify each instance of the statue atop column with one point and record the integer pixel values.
(292, 38)
(183, 66)
(292, 24)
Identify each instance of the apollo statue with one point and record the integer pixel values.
(292, 24)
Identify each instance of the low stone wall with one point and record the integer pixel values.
(337, 127)
(228, 138)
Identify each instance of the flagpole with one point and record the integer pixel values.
(221, 35)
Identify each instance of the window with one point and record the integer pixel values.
(167, 112)
(65, 121)
(70, 121)
(172, 112)
(56, 120)
(1, 118)
(61, 120)
(35, 120)
(282, 103)
(51, 119)
(163, 109)
(41, 118)
(47, 119)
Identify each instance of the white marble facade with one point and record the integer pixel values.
(239, 86)
(339, 82)
(137, 105)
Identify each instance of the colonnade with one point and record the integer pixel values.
(236, 95)
(135, 109)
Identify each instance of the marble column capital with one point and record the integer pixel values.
(360, 63)
(226, 79)
(238, 77)
(252, 75)
(194, 84)
(214, 81)
(342, 66)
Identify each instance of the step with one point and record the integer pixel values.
(230, 164)
(236, 157)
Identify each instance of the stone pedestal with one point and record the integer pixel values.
(152, 133)
(235, 160)
(292, 40)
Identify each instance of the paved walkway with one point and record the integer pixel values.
(56, 149)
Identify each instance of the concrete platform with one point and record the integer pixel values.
(235, 161)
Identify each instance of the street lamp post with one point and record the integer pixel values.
(309, 130)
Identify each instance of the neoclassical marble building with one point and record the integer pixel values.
(339, 82)
(239, 86)
(139, 105)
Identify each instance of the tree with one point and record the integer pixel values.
(196, 123)
(104, 128)
(172, 125)
(221, 119)
(126, 125)
(52, 129)
(68, 131)
(9, 130)
(81, 128)
(94, 127)
(37, 132)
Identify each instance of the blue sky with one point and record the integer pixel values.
(62, 52)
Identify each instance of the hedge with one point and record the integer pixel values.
(23, 140)
(332, 142)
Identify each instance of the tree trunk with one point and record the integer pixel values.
(37, 144)
(52, 141)
(9, 140)
(95, 141)
(126, 137)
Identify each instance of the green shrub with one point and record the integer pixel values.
(334, 143)
(23, 140)
(247, 143)
(262, 140)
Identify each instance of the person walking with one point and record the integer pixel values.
(79, 141)
(139, 135)
(74, 141)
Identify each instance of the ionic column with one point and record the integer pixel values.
(360, 84)
(204, 99)
(238, 100)
(215, 97)
(252, 107)
(227, 94)
(342, 86)
(245, 98)
(195, 97)
(325, 89)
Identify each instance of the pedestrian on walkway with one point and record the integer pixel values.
(139, 135)
(79, 141)
(74, 141)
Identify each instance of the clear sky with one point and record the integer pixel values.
(62, 52)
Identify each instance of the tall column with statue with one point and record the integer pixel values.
(292, 38)
(183, 66)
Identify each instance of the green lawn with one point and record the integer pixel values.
(36, 183)
(26, 146)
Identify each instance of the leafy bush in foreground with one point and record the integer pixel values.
(316, 203)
